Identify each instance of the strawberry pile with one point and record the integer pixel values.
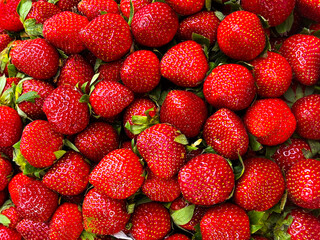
(159, 119)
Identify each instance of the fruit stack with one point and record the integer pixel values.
(163, 119)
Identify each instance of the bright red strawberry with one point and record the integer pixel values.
(8, 233)
(118, 174)
(12, 214)
(186, 7)
(42, 10)
(65, 113)
(110, 71)
(39, 142)
(9, 18)
(230, 86)
(6, 172)
(36, 57)
(103, 215)
(226, 134)
(159, 149)
(184, 110)
(303, 54)
(107, 36)
(309, 9)
(185, 64)
(307, 112)
(154, 25)
(150, 221)
(66, 223)
(33, 230)
(16, 183)
(203, 23)
(93, 8)
(272, 75)
(261, 186)
(178, 236)
(5, 39)
(110, 98)
(137, 5)
(225, 221)
(241, 36)
(10, 126)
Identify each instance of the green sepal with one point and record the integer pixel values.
(59, 153)
(23, 9)
(234, 4)
(182, 139)
(286, 25)
(197, 235)
(315, 149)
(167, 205)
(194, 146)
(22, 113)
(183, 215)
(139, 120)
(254, 144)
(202, 40)
(256, 220)
(246, 65)
(17, 145)
(31, 170)
(208, 4)
(316, 33)
(62, 54)
(53, 1)
(69, 144)
(19, 159)
(97, 64)
(131, 13)
(87, 235)
(264, 22)
(4, 220)
(3, 82)
(219, 15)
(93, 82)
(130, 208)
(84, 98)
(83, 87)
(12, 70)
(270, 150)
(28, 97)
(239, 169)
(209, 149)
(32, 28)
(280, 231)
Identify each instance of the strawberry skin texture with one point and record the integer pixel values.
(186, 7)
(10, 126)
(303, 54)
(67, 5)
(107, 36)
(226, 134)
(261, 186)
(137, 5)
(5, 39)
(92, 8)
(154, 25)
(309, 9)
(225, 221)
(8, 233)
(5, 171)
(185, 64)
(178, 236)
(16, 183)
(118, 174)
(110, 71)
(241, 36)
(229, 86)
(33, 230)
(9, 18)
(42, 10)
(163, 155)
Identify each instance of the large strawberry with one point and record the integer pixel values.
(8, 233)
(93, 8)
(186, 7)
(309, 9)
(16, 183)
(10, 126)
(9, 18)
(137, 5)
(6, 171)
(30, 229)
(42, 10)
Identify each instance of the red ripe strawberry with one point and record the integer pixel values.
(43, 90)
(68, 176)
(230, 86)
(272, 75)
(178, 236)
(9, 18)
(203, 23)
(270, 120)
(6, 171)
(93, 8)
(226, 134)
(8, 233)
(309, 9)
(137, 5)
(36, 202)
(107, 36)
(225, 221)
(185, 64)
(150, 221)
(110, 98)
(118, 174)
(103, 215)
(42, 10)
(141, 71)
(186, 7)
(307, 112)
(16, 183)
(241, 36)
(12, 214)
(110, 71)
(65, 113)
(154, 25)
(275, 11)
(10, 126)
(66, 223)
(159, 149)
(184, 110)
(97, 140)
(261, 186)
(33, 230)
(39, 142)
(36, 57)
(303, 54)
(5, 39)
(126, 145)
(303, 183)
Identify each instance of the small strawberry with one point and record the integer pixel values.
(8, 233)
(32, 230)
(42, 10)
(185, 64)
(150, 221)
(309, 9)
(6, 172)
(93, 8)
(241, 36)
(178, 236)
(9, 18)
(16, 183)
(10, 211)
(186, 7)
(10, 126)
(110, 71)
(137, 5)
(5, 39)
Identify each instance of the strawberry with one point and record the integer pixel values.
(186, 7)
(93, 8)
(66, 223)
(137, 5)
(126, 145)
(226, 134)
(97, 140)
(303, 183)
(67, 5)
(184, 110)
(203, 23)
(230, 86)
(118, 174)
(154, 25)
(110, 71)
(225, 221)
(272, 75)
(159, 149)
(314, 27)
(6, 171)
(12, 214)
(110, 98)
(16, 183)
(307, 112)
(65, 113)
(150, 221)
(103, 215)
(107, 36)
(33, 230)
(42, 10)
(6, 152)
(9, 18)
(36, 57)
(39, 142)
(261, 186)
(274, 11)
(309, 9)
(241, 36)
(185, 64)
(141, 71)
(10, 126)
(178, 236)
(303, 54)
(8, 233)
(5, 39)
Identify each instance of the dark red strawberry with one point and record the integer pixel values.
(93, 8)
(6, 172)
(9, 18)
(110, 71)
(5, 39)
(314, 27)
(10, 211)
(67, 5)
(33, 230)
(137, 5)
(126, 145)
(8, 233)
(42, 10)
(186, 7)
(7, 152)
(16, 183)
(309, 9)
(178, 236)
(3, 197)
(10, 126)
